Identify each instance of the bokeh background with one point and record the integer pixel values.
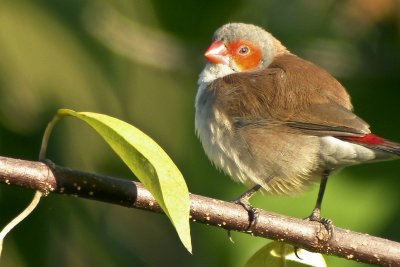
(139, 61)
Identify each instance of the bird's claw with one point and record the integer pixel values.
(296, 251)
(327, 223)
(252, 212)
(243, 201)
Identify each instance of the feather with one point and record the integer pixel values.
(278, 95)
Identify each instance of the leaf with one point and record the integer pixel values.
(149, 162)
(277, 254)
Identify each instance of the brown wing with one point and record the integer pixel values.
(291, 92)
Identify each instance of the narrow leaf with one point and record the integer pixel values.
(278, 254)
(149, 162)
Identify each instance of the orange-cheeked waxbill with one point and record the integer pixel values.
(275, 121)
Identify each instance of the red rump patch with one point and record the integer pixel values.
(369, 139)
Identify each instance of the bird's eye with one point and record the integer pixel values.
(244, 50)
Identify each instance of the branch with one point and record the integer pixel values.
(309, 235)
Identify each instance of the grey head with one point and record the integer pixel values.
(268, 44)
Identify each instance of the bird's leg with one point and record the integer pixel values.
(243, 200)
(316, 213)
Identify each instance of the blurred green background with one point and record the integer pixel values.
(139, 61)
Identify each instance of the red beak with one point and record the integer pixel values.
(217, 53)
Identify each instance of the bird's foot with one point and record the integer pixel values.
(315, 216)
(243, 201)
(252, 212)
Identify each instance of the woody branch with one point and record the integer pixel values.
(50, 178)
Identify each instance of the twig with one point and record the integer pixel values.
(309, 235)
(20, 217)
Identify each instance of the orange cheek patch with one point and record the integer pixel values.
(247, 61)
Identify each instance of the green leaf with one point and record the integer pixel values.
(149, 162)
(277, 254)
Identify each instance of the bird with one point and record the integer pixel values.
(275, 121)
